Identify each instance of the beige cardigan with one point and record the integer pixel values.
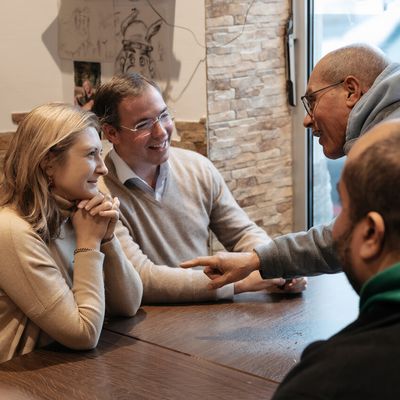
(46, 294)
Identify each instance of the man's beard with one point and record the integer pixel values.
(342, 246)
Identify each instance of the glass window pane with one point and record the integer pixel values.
(336, 24)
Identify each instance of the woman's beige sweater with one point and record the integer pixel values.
(48, 294)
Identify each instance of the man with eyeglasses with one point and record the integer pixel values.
(170, 197)
(350, 90)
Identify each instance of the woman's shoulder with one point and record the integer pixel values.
(12, 222)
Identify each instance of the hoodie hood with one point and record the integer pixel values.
(380, 102)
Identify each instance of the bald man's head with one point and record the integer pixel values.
(337, 83)
(363, 61)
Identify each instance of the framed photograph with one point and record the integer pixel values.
(87, 77)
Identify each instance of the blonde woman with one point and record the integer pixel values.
(61, 265)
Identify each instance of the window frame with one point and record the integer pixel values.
(302, 141)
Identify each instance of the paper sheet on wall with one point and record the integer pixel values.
(144, 37)
(135, 35)
(86, 30)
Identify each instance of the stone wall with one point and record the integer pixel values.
(249, 122)
(192, 135)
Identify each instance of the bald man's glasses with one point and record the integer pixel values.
(309, 99)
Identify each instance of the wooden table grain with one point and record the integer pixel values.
(261, 334)
(125, 368)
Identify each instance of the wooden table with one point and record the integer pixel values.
(230, 350)
(262, 334)
(124, 368)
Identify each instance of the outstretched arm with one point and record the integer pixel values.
(235, 230)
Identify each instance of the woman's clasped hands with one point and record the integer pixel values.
(96, 218)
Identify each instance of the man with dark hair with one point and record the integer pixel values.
(170, 197)
(350, 90)
(362, 360)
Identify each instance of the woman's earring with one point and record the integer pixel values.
(49, 181)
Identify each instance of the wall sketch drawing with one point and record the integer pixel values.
(132, 35)
(144, 41)
(86, 30)
(137, 49)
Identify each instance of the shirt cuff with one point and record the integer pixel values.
(225, 292)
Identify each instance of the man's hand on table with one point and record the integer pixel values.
(254, 282)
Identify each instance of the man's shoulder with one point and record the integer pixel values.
(191, 168)
(346, 358)
(177, 153)
(370, 335)
(190, 161)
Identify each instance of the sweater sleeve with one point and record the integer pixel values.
(123, 286)
(298, 254)
(34, 282)
(229, 222)
(164, 284)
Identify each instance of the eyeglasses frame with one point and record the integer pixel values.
(154, 121)
(305, 99)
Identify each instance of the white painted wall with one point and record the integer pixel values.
(31, 72)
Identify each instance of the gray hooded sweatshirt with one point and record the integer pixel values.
(311, 253)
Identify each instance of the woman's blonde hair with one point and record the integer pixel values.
(43, 137)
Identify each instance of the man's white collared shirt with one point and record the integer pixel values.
(128, 177)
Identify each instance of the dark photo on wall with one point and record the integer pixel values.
(87, 77)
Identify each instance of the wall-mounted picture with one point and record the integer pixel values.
(86, 30)
(87, 77)
(144, 37)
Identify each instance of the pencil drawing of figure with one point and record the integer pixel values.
(85, 30)
(136, 52)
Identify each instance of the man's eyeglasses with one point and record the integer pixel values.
(308, 100)
(144, 127)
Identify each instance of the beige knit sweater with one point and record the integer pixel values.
(158, 235)
(46, 294)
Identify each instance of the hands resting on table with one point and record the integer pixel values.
(242, 268)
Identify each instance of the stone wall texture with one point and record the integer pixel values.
(249, 122)
(192, 135)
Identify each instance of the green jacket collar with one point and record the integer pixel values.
(382, 288)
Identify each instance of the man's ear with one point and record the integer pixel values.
(110, 133)
(373, 234)
(354, 90)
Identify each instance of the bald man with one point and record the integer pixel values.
(349, 91)
(361, 361)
